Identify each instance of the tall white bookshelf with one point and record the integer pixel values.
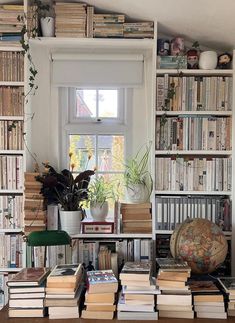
(190, 153)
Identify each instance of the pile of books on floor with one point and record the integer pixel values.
(34, 214)
(70, 19)
(27, 293)
(108, 25)
(100, 296)
(208, 300)
(228, 285)
(176, 299)
(10, 26)
(138, 29)
(136, 218)
(64, 290)
(137, 299)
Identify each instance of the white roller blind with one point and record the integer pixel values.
(97, 70)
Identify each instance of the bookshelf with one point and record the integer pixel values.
(181, 153)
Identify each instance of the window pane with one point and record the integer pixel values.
(86, 103)
(108, 103)
(117, 182)
(82, 148)
(110, 153)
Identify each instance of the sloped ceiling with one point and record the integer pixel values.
(211, 22)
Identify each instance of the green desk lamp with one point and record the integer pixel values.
(48, 238)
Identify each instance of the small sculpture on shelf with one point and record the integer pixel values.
(224, 61)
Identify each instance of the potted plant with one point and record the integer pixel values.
(137, 178)
(100, 191)
(47, 21)
(69, 192)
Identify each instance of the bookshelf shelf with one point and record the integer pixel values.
(8, 269)
(192, 72)
(12, 152)
(226, 233)
(10, 230)
(193, 192)
(112, 236)
(16, 48)
(12, 118)
(11, 192)
(197, 113)
(194, 152)
(11, 83)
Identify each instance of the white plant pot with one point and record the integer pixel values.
(208, 60)
(137, 193)
(48, 26)
(70, 221)
(99, 211)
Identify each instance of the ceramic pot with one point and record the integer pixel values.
(137, 193)
(48, 26)
(70, 221)
(99, 211)
(208, 60)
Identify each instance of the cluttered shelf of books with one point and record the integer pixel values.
(173, 292)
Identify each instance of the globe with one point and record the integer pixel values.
(201, 243)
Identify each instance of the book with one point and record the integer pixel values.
(101, 280)
(97, 315)
(100, 297)
(26, 312)
(141, 316)
(136, 271)
(26, 303)
(69, 302)
(26, 295)
(65, 274)
(27, 290)
(228, 283)
(29, 277)
(177, 314)
(203, 286)
(171, 264)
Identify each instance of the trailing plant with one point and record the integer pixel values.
(100, 191)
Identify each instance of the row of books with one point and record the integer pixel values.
(79, 20)
(11, 135)
(11, 66)
(4, 277)
(12, 101)
(172, 210)
(197, 174)
(11, 172)
(194, 93)
(10, 26)
(190, 133)
(86, 251)
(11, 250)
(11, 212)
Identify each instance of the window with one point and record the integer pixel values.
(97, 131)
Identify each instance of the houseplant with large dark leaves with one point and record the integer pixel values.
(68, 192)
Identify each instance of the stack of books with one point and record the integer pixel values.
(64, 290)
(34, 214)
(136, 218)
(138, 29)
(208, 300)
(137, 299)
(70, 19)
(100, 296)
(228, 284)
(10, 26)
(108, 25)
(176, 299)
(27, 293)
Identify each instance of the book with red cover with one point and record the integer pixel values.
(29, 277)
(97, 227)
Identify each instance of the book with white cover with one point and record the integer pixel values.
(142, 316)
(122, 306)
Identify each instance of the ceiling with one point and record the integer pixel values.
(211, 22)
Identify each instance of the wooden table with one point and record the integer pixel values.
(4, 318)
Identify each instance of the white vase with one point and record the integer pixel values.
(99, 211)
(138, 193)
(208, 60)
(48, 26)
(70, 221)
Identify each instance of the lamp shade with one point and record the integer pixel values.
(48, 238)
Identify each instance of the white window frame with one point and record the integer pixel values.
(69, 125)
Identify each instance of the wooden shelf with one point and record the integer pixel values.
(194, 152)
(195, 72)
(11, 192)
(11, 48)
(12, 152)
(11, 230)
(7, 269)
(12, 118)
(192, 192)
(112, 236)
(198, 113)
(11, 83)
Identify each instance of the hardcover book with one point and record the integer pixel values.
(29, 277)
(203, 286)
(228, 283)
(65, 273)
(136, 271)
(171, 264)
